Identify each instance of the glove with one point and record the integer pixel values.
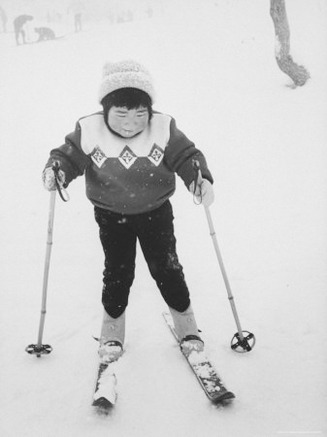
(49, 178)
(203, 192)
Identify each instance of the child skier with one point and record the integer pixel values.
(129, 155)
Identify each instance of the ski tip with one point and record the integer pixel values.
(102, 406)
(224, 398)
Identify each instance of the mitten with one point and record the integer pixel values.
(49, 178)
(203, 192)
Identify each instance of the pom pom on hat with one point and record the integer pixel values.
(125, 74)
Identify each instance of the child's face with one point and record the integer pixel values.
(128, 122)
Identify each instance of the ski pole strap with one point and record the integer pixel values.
(59, 185)
(197, 198)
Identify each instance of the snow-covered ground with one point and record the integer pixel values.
(214, 70)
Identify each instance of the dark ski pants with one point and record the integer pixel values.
(155, 232)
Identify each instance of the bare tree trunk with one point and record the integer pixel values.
(297, 73)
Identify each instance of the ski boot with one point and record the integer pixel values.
(112, 338)
(187, 331)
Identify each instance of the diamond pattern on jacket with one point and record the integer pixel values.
(156, 155)
(127, 157)
(98, 156)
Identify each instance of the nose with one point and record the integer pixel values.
(129, 122)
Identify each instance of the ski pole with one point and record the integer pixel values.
(242, 341)
(39, 349)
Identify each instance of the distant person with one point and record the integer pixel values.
(3, 17)
(76, 8)
(149, 12)
(19, 27)
(45, 33)
(78, 22)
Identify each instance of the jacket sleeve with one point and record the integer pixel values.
(73, 161)
(180, 153)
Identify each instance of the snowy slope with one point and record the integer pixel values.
(214, 69)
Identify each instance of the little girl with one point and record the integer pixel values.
(129, 155)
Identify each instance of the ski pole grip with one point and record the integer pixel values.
(197, 171)
(59, 185)
(56, 166)
(198, 179)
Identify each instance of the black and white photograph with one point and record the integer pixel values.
(163, 218)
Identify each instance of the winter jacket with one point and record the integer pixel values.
(128, 175)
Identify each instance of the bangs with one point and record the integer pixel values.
(130, 98)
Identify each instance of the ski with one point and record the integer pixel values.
(105, 394)
(204, 371)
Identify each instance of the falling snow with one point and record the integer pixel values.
(214, 70)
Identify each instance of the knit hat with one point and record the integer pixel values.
(125, 74)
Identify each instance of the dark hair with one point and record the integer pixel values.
(131, 98)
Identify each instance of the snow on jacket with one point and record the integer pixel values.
(128, 175)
